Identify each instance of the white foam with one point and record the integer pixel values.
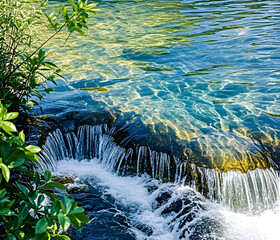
(132, 193)
(262, 227)
(129, 191)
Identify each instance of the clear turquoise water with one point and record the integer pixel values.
(191, 69)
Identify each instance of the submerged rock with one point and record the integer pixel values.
(219, 150)
(226, 151)
(63, 179)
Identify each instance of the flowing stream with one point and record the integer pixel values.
(233, 203)
(197, 78)
(169, 115)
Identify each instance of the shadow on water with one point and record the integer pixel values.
(181, 73)
(218, 150)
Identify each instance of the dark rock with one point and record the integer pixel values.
(204, 229)
(144, 228)
(79, 189)
(173, 207)
(163, 198)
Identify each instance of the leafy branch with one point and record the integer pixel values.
(23, 66)
(23, 212)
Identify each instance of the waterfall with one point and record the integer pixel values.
(97, 142)
(250, 192)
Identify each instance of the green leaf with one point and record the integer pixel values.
(22, 136)
(64, 221)
(80, 3)
(33, 149)
(38, 94)
(11, 237)
(73, 5)
(8, 126)
(23, 168)
(55, 208)
(71, 26)
(75, 221)
(31, 156)
(43, 236)
(10, 204)
(10, 116)
(52, 196)
(43, 4)
(41, 55)
(40, 199)
(23, 212)
(92, 5)
(64, 12)
(3, 111)
(17, 163)
(48, 176)
(32, 199)
(5, 202)
(37, 179)
(77, 210)
(52, 185)
(7, 212)
(68, 202)
(84, 15)
(62, 207)
(41, 226)
(82, 217)
(15, 155)
(3, 192)
(5, 149)
(5, 172)
(22, 188)
(19, 234)
(79, 30)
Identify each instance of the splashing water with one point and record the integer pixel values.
(98, 142)
(183, 214)
(250, 192)
(201, 74)
(167, 210)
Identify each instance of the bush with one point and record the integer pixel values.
(29, 208)
(23, 63)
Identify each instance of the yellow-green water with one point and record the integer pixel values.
(205, 73)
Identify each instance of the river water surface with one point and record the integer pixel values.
(197, 79)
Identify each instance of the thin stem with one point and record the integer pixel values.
(19, 65)
(66, 39)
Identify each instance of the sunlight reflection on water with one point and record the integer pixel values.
(192, 66)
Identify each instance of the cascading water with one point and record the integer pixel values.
(250, 192)
(157, 210)
(195, 78)
(98, 142)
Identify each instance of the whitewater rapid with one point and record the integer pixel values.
(133, 195)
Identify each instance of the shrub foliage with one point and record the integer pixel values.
(23, 63)
(29, 207)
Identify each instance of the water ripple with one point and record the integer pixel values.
(188, 64)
